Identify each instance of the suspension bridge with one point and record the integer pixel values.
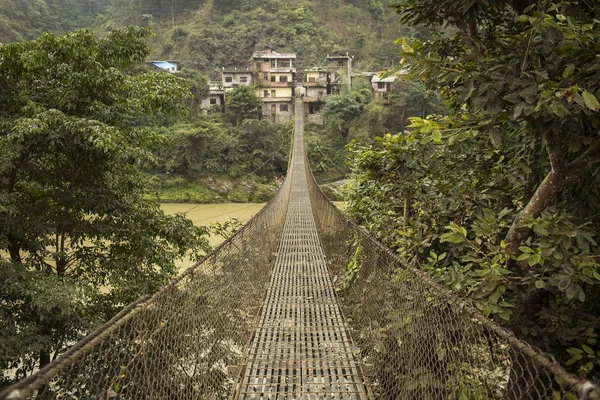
(275, 313)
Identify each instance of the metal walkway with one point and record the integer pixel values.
(300, 349)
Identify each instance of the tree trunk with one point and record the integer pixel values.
(561, 176)
(14, 249)
(538, 203)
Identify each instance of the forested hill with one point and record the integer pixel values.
(27, 19)
(209, 34)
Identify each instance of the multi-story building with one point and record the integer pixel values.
(316, 87)
(274, 78)
(340, 71)
(234, 77)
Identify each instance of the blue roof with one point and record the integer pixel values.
(164, 65)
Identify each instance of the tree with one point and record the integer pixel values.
(497, 199)
(78, 238)
(242, 103)
(342, 110)
(198, 87)
(537, 74)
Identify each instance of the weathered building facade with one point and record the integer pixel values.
(274, 78)
(215, 99)
(233, 77)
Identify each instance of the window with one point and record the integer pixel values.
(213, 101)
(312, 79)
(266, 93)
(381, 85)
(243, 79)
(273, 93)
(265, 76)
(273, 108)
(228, 79)
(283, 107)
(273, 78)
(283, 78)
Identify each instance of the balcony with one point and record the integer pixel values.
(282, 70)
(269, 84)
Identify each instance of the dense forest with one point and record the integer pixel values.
(481, 166)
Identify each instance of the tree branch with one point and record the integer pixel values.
(554, 152)
(581, 165)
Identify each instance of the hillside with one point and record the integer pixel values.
(27, 19)
(210, 34)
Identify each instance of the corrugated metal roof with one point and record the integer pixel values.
(165, 65)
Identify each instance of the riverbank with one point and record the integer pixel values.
(212, 189)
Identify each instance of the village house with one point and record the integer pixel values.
(316, 87)
(340, 72)
(381, 87)
(274, 77)
(233, 77)
(216, 97)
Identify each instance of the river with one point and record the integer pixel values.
(204, 214)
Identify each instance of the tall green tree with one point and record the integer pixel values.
(499, 199)
(242, 103)
(536, 73)
(78, 239)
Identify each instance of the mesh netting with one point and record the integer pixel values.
(184, 342)
(211, 334)
(416, 340)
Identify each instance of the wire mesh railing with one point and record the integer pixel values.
(413, 339)
(416, 340)
(187, 341)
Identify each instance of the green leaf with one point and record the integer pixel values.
(587, 349)
(591, 101)
(525, 249)
(406, 49)
(535, 259)
(540, 284)
(569, 70)
(436, 135)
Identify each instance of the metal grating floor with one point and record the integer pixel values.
(300, 349)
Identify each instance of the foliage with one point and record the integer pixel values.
(198, 88)
(242, 103)
(26, 19)
(495, 200)
(226, 32)
(78, 238)
(225, 229)
(342, 110)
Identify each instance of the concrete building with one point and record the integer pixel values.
(340, 71)
(233, 77)
(274, 78)
(216, 98)
(316, 88)
(381, 87)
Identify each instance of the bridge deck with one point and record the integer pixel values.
(300, 349)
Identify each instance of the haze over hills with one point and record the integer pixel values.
(210, 34)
